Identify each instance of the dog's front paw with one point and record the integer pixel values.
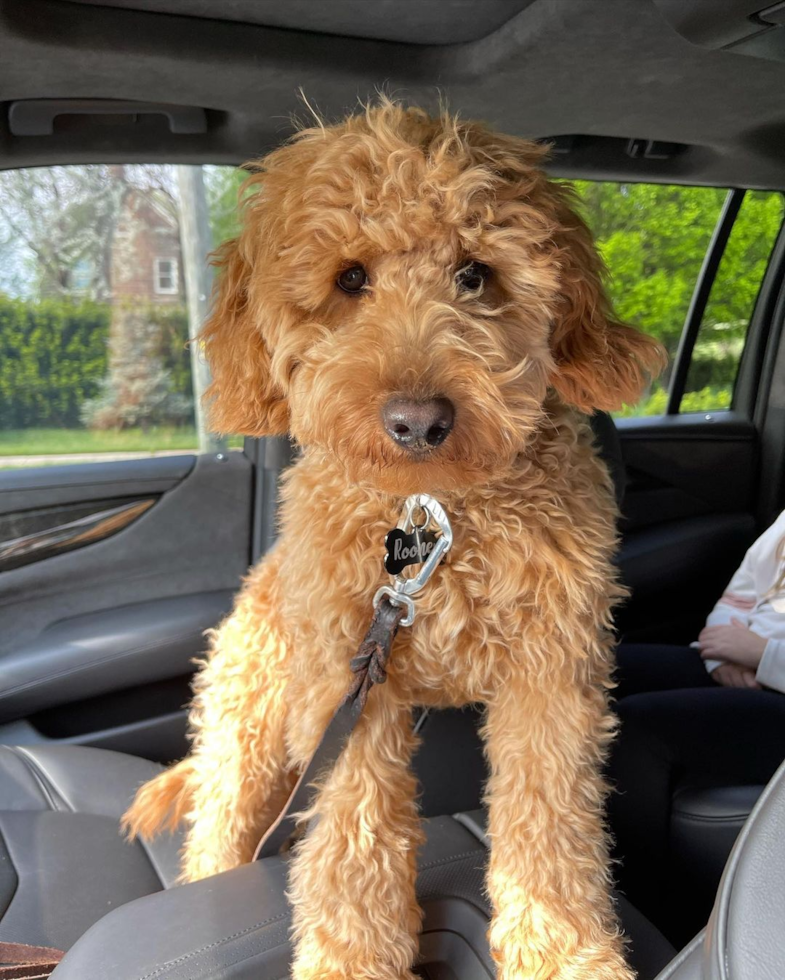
(533, 964)
(555, 953)
(352, 973)
(336, 968)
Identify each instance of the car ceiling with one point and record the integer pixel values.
(602, 71)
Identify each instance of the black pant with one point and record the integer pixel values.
(678, 727)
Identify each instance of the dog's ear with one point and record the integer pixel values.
(601, 364)
(243, 397)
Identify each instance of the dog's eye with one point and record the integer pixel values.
(353, 279)
(472, 277)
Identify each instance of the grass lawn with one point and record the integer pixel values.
(41, 442)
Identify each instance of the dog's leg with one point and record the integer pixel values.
(352, 880)
(548, 877)
(235, 781)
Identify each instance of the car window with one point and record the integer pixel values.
(715, 360)
(94, 324)
(653, 239)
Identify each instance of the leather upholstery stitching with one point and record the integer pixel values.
(453, 857)
(682, 957)
(45, 783)
(159, 970)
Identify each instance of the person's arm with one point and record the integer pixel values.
(771, 670)
(737, 601)
(740, 597)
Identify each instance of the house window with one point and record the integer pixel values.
(165, 276)
(82, 275)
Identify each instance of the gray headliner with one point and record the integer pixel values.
(602, 67)
(448, 22)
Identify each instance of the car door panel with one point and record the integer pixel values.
(51, 531)
(50, 486)
(117, 648)
(679, 466)
(687, 519)
(98, 643)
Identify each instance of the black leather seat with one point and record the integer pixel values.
(64, 866)
(705, 822)
(235, 926)
(63, 863)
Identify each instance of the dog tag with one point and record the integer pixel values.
(404, 549)
(412, 544)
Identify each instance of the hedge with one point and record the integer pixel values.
(53, 355)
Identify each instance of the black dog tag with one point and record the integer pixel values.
(407, 549)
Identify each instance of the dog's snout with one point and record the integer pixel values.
(419, 426)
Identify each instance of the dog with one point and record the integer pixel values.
(421, 310)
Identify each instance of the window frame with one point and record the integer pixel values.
(701, 295)
(757, 364)
(157, 288)
(700, 298)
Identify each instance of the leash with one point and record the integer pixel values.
(408, 544)
(19, 961)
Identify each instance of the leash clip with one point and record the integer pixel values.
(402, 590)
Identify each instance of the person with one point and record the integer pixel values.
(711, 714)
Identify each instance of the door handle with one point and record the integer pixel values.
(66, 537)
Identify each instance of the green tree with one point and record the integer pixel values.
(653, 239)
(222, 185)
(138, 389)
(54, 221)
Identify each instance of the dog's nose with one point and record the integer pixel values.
(418, 425)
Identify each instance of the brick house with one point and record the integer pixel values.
(145, 260)
(145, 277)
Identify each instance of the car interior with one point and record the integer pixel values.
(112, 569)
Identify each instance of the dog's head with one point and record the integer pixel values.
(403, 293)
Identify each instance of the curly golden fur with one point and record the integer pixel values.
(519, 616)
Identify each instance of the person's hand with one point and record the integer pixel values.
(732, 675)
(734, 643)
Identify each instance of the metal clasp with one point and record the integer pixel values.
(402, 589)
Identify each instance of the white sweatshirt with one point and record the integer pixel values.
(744, 599)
